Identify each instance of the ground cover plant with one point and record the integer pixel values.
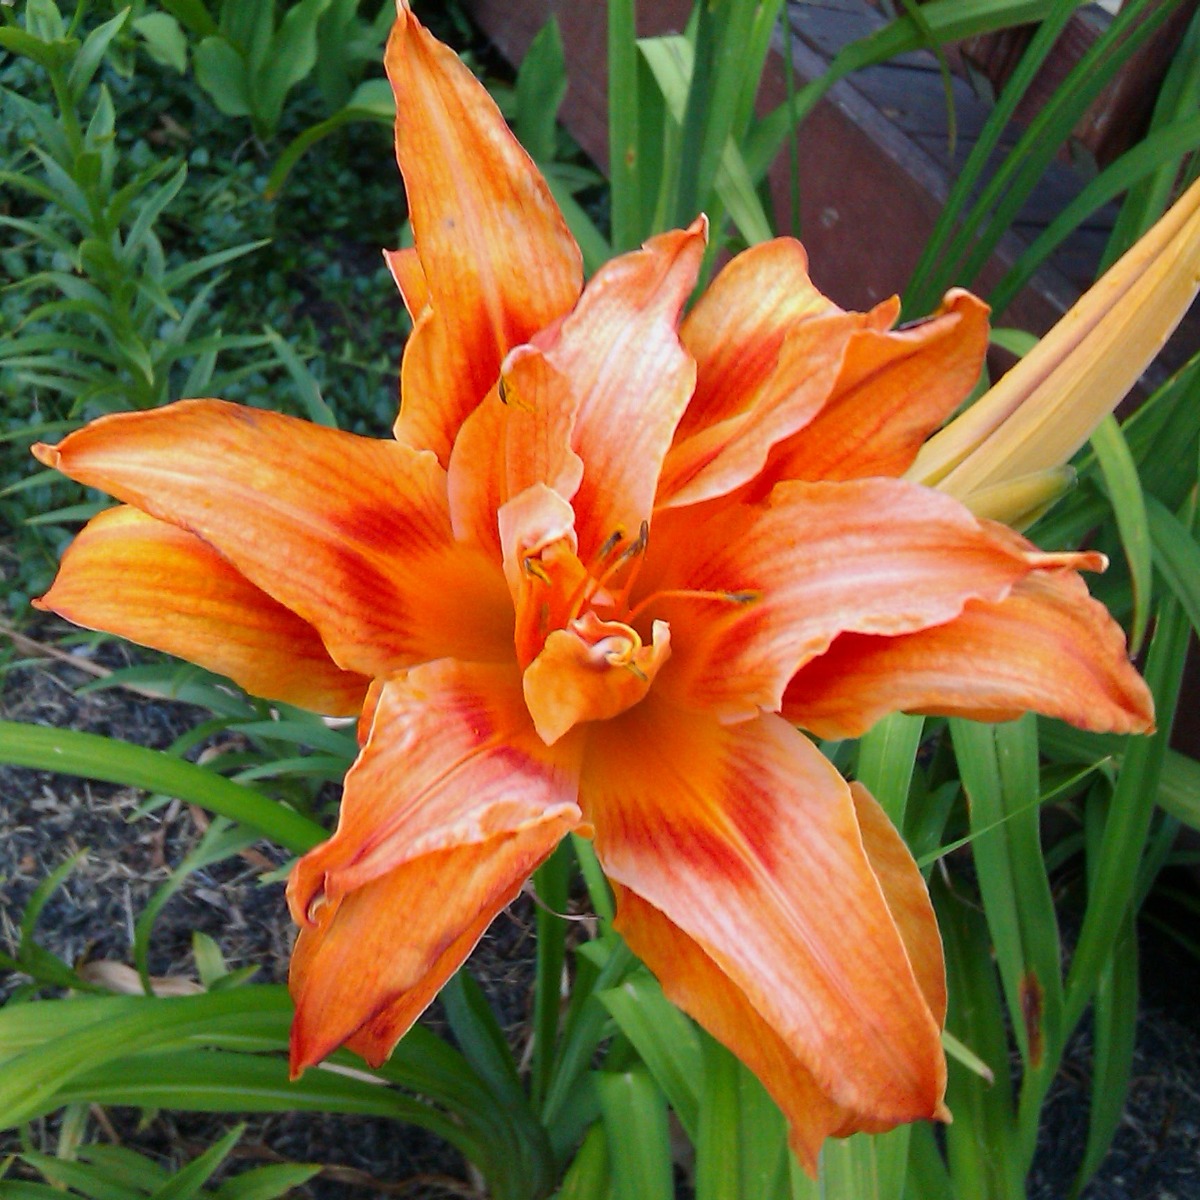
(646, 650)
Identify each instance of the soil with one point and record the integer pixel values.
(47, 818)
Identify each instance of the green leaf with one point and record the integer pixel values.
(1129, 508)
(292, 55)
(193, 15)
(541, 86)
(670, 61)
(962, 1054)
(588, 1176)
(552, 884)
(929, 1178)
(31, 1079)
(980, 1144)
(372, 101)
(887, 756)
(999, 768)
(221, 72)
(187, 1181)
(1114, 1023)
(220, 841)
(96, 757)
(1015, 341)
(595, 247)
(484, 1047)
(152, 208)
(635, 1119)
(91, 53)
(1177, 556)
(48, 54)
(16, 1189)
(266, 1183)
(1179, 784)
(1166, 146)
(165, 40)
(63, 1174)
(718, 1174)
(867, 1167)
(1178, 99)
(666, 1041)
(41, 894)
(1113, 885)
(119, 1162)
(624, 165)
(307, 388)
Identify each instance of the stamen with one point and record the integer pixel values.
(637, 549)
(611, 543)
(533, 566)
(595, 582)
(746, 597)
(509, 395)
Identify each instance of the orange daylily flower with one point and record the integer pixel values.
(607, 560)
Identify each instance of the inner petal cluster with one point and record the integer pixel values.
(581, 656)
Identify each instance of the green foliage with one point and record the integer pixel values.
(111, 239)
(101, 1172)
(99, 319)
(249, 55)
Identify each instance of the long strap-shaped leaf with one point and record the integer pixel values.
(94, 757)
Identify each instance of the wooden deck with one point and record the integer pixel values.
(909, 94)
(874, 153)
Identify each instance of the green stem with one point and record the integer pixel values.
(551, 883)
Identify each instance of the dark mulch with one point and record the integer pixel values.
(46, 818)
(1156, 1152)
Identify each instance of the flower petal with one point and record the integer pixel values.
(498, 257)
(518, 438)
(895, 388)
(160, 586)
(720, 457)
(695, 983)
(777, 582)
(746, 839)
(350, 533)
(907, 898)
(737, 328)
(630, 380)
(368, 967)
(406, 269)
(591, 671)
(452, 760)
(1047, 647)
(589, 409)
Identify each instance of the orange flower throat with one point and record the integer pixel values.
(587, 648)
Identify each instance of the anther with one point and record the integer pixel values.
(746, 597)
(533, 566)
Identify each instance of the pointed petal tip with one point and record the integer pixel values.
(47, 455)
